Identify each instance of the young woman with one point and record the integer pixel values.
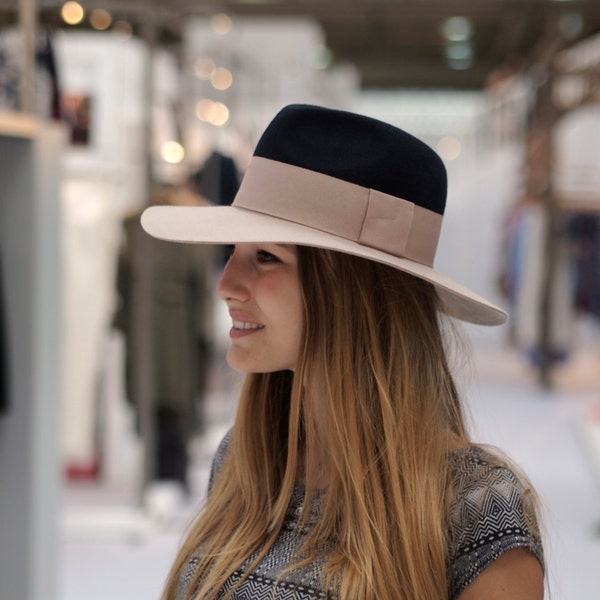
(349, 472)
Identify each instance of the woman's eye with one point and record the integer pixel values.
(266, 257)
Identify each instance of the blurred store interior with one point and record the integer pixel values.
(107, 107)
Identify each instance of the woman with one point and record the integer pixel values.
(349, 472)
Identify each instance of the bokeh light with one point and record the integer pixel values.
(457, 29)
(215, 113)
(100, 19)
(172, 152)
(221, 78)
(204, 67)
(72, 13)
(221, 23)
(449, 147)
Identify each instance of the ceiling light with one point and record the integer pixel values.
(221, 23)
(122, 30)
(100, 19)
(215, 113)
(460, 51)
(204, 67)
(221, 78)
(172, 152)
(221, 115)
(449, 147)
(72, 13)
(457, 29)
(459, 55)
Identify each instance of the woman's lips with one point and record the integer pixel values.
(243, 325)
(246, 325)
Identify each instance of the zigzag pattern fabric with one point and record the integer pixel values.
(491, 513)
(261, 588)
(489, 516)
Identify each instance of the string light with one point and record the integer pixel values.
(459, 55)
(122, 30)
(204, 67)
(221, 23)
(449, 147)
(215, 113)
(457, 29)
(172, 152)
(100, 19)
(72, 13)
(221, 78)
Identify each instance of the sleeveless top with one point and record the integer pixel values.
(489, 515)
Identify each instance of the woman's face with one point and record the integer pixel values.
(261, 288)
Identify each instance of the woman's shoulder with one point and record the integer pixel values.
(488, 486)
(219, 457)
(478, 467)
(223, 446)
(493, 509)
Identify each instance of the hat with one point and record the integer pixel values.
(342, 181)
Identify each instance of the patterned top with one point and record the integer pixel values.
(489, 516)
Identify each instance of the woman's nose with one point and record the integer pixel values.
(232, 284)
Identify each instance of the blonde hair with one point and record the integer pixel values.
(373, 393)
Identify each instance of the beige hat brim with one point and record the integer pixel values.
(231, 225)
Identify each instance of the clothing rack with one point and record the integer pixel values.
(552, 101)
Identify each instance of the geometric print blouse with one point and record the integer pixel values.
(489, 516)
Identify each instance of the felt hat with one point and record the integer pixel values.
(338, 180)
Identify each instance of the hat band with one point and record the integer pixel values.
(335, 206)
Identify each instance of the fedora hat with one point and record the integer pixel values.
(342, 181)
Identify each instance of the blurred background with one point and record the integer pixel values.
(114, 391)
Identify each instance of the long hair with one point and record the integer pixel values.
(372, 391)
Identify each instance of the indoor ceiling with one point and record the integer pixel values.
(393, 43)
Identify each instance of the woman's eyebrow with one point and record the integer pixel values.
(288, 247)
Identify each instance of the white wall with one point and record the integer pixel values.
(483, 181)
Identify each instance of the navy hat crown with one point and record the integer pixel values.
(357, 149)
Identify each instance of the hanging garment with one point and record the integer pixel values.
(173, 282)
(584, 235)
(90, 239)
(529, 288)
(218, 181)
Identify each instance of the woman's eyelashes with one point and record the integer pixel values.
(262, 256)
